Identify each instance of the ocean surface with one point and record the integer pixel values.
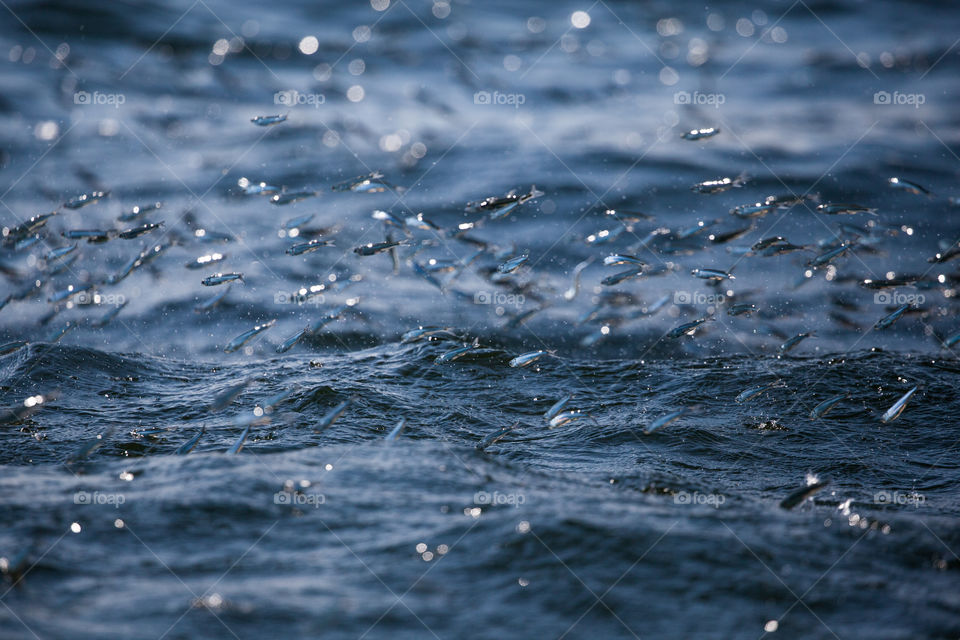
(161, 476)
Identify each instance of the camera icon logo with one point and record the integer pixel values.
(882, 297)
(81, 497)
(881, 97)
(81, 97)
(287, 98)
(481, 97)
(282, 497)
(482, 297)
(681, 97)
(883, 497)
(682, 297)
(281, 297)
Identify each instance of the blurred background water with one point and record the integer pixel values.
(592, 528)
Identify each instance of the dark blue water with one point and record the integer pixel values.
(593, 528)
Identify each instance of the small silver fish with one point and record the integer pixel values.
(720, 185)
(755, 210)
(566, 417)
(789, 345)
(894, 412)
(671, 417)
(618, 259)
(257, 189)
(109, 315)
(238, 445)
(526, 359)
(574, 289)
(909, 187)
(370, 183)
(617, 278)
(10, 347)
(85, 199)
(56, 254)
(824, 407)
(92, 236)
(289, 343)
(828, 256)
(189, 445)
(456, 354)
(307, 247)
(28, 227)
(266, 121)
(206, 260)
(71, 290)
(687, 328)
(139, 211)
(395, 432)
(213, 301)
(496, 436)
(221, 278)
(227, 396)
(500, 207)
(374, 248)
(421, 333)
(742, 308)
(801, 494)
(712, 274)
(296, 223)
(246, 336)
(331, 416)
(604, 236)
(288, 197)
(889, 319)
(843, 208)
(513, 264)
(700, 134)
(753, 392)
(136, 232)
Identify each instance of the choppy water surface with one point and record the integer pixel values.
(593, 528)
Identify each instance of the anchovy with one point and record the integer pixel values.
(188, 446)
(719, 185)
(395, 432)
(618, 259)
(843, 208)
(10, 347)
(151, 254)
(617, 278)
(138, 211)
(727, 236)
(686, 328)
(136, 232)
(213, 301)
(370, 183)
(888, 320)
(31, 225)
(824, 407)
(574, 289)
(109, 315)
(307, 247)
(375, 248)
(496, 436)
(89, 446)
(420, 222)
(663, 421)
(787, 346)
(828, 256)
(742, 308)
(909, 187)
(289, 343)
(513, 264)
(266, 121)
(604, 236)
(624, 217)
(56, 254)
(227, 396)
(238, 445)
(71, 290)
(455, 354)
(712, 274)
(331, 416)
(753, 392)
(529, 358)
(889, 283)
(499, 207)
(800, 495)
(221, 278)
(388, 219)
(206, 260)
(693, 230)
(784, 201)
(424, 332)
(566, 417)
(700, 134)
(85, 199)
(947, 255)
(246, 336)
(295, 223)
(756, 210)
(27, 242)
(288, 197)
(557, 407)
(951, 341)
(92, 236)
(781, 249)
(426, 275)
(894, 412)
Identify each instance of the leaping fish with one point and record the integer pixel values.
(246, 336)
(500, 207)
(894, 412)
